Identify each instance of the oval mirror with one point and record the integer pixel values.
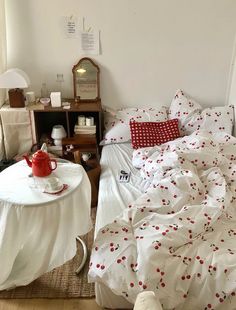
(86, 80)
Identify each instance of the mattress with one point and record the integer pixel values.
(112, 199)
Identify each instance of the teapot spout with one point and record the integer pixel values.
(28, 161)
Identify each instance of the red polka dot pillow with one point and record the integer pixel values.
(147, 134)
(192, 117)
(117, 129)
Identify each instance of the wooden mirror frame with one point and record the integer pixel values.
(76, 97)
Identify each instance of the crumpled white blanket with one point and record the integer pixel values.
(179, 238)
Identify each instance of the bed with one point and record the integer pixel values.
(162, 231)
(115, 157)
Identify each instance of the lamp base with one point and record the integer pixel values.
(57, 142)
(16, 98)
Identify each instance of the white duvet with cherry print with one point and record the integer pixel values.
(179, 238)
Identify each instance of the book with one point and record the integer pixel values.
(85, 127)
(86, 130)
(78, 132)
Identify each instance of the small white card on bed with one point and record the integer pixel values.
(123, 177)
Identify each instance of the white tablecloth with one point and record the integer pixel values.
(38, 230)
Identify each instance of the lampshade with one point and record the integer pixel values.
(14, 78)
(58, 133)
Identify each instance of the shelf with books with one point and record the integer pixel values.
(46, 118)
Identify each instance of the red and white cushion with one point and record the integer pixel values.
(116, 124)
(153, 133)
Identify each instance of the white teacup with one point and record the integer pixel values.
(86, 156)
(53, 184)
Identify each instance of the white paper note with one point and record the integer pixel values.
(70, 26)
(89, 43)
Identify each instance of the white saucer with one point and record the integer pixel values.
(55, 191)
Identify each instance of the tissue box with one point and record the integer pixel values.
(55, 99)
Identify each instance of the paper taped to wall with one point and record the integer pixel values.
(70, 26)
(89, 43)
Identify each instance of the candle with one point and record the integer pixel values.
(89, 121)
(81, 120)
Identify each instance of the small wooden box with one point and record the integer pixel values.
(16, 98)
(69, 145)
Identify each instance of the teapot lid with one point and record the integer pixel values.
(40, 155)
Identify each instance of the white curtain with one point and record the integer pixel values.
(2, 65)
(2, 46)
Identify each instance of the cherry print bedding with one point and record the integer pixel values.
(179, 238)
(193, 117)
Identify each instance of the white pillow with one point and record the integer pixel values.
(117, 128)
(191, 116)
(143, 115)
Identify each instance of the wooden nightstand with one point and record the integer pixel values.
(94, 175)
(47, 117)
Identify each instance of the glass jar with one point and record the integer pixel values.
(44, 91)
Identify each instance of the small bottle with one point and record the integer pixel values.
(44, 91)
(60, 81)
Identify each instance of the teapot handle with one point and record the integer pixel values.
(55, 162)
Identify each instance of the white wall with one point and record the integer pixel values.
(149, 48)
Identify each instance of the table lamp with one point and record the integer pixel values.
(58, 133)
(15, 79)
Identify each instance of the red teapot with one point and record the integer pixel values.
(41, 164)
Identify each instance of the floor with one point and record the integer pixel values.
(49, 304)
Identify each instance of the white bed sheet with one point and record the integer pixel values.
(113, 198)
(116, 157)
